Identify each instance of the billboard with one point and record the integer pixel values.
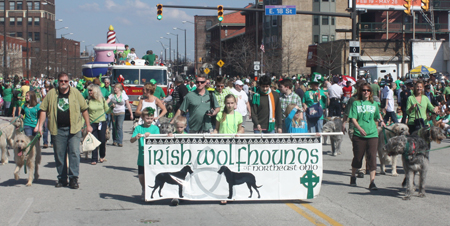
(384, 4)
(248, 167)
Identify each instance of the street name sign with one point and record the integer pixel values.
(278, 10)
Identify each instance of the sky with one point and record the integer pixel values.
(134, 22)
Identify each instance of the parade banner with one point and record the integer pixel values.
(249, 167)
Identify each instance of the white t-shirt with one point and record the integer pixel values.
(390, 101)
(131, 56)
(335, 91)
(119, 102)
(242, 100)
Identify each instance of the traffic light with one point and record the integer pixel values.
(159, 9)
(220, 12)
(426, 5)
(407, 5)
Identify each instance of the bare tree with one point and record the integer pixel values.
(241, 55)
(14, 63)
(329, 55)
(38, 64)
(272, 59)
(290, 54)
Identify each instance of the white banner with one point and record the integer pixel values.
(249, 167)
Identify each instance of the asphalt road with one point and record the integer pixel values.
(109, 194)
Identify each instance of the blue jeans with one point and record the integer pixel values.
(118, 128)
(67, 144)
(45, 135)
(29, 131)
(315, 127)
(392, 115)
(108, 120)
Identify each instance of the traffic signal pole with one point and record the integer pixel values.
(354, 37)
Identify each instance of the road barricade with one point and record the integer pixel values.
(244, 167)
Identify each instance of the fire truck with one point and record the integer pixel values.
(133, 77)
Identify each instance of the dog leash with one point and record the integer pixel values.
(384, 133)
(31, 144)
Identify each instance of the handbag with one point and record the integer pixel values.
(314, 112)
(90, 143)
(418, 122)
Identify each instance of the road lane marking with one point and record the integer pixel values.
(304, 214)
(320, 214)
(15, 220)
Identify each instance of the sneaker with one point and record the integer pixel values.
(120, 145)
(73, 183)
(360, 175)
(353, 181)
(61, 183)
(45, 146)
(372, 186)
(114, 144)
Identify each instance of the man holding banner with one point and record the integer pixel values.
(266, 108)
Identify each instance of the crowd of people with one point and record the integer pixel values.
(297, 104)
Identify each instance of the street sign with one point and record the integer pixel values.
(256, 73)
(220, 70)
(354, 49)
(256, 65)
(185, 68)
(277, 10)
(220, 63)
(206, 70)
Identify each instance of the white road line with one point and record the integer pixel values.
(15, 220)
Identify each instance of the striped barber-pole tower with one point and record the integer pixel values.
(111, 35)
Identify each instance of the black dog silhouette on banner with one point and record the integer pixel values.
(234, 178)
(176, 178)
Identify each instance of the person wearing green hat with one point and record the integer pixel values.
(191, 86)
(314, 96)
(159, 92)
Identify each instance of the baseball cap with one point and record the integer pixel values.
(239, 82)
(335, 79)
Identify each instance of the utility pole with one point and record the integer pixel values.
(257, 30)
(354, 36)
(5, 64)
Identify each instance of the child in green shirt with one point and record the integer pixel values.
(139, 133)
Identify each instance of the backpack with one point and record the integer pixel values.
(314, 112)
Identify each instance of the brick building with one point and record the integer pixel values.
(15, 56)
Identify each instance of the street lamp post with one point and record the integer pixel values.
(177, 48)
(5, 65)
(170, 48)
(62, 40)
(175, 28)
(28, 38)
(195, 44)
(165, 51)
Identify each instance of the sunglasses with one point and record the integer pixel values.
(221, 86)
(63, 81)
(200, 82)
(366, 90)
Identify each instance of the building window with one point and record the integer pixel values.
(36, 21)
(2, 21)
(316, 0)
(274, 21)
(324, 20)
(19, 5)
(332, 20)
(324, 38)
(208, 38)
(30, 35)
(316, 20)
(37, 36)
(12, 5)
(19, 21)
(19, 34)
(274, 40)
(30, 5)
(324, 0)
(30, 21)
(37, 5)
(208, 24)
(316, 39)
(2, 5)
(12, 21)
(332, 38)
(36, 50)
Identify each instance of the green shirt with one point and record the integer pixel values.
(190, 89)
(197, 105)
(231, 123)
(76, 107)
(375, 89)
(97, 110)
(105, 92)
(398, 82)
(365, 113)
(423, 106)
(125, 54)
(447, 90)
(221, 97)
(159, 93)
(31, 115)
(142, 130)
(7, 95)
(150, 58)
(311, 97)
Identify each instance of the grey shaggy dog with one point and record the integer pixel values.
(391, 131)
(429, 134)
(415, 160)
(334, 125)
